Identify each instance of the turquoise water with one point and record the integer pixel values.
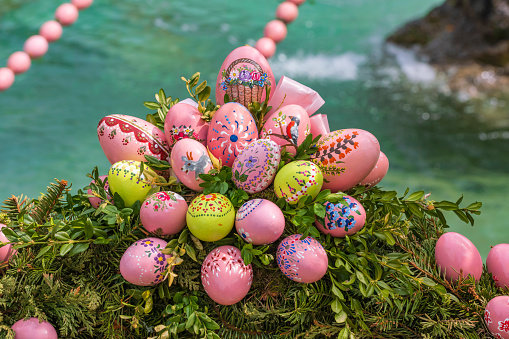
(119, 53)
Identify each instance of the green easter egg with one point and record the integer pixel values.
(297, 179)
(210, 217)
(124, 178)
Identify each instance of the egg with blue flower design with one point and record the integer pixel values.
(346, 217)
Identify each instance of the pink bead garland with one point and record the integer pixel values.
(37, 45)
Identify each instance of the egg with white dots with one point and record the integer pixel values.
(230, 131)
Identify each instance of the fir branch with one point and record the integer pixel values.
(48, 201)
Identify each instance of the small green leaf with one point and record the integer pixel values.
(79, 248)
(65, 249)
(319, 210)
(474, 206)
(190, 252)
(415, 196)
(336, 306)
(43, 251)
(201, 87)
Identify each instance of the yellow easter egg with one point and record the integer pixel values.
(297, 179)
(125, 179)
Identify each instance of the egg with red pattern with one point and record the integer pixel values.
(164, 212)
(496, 316)
(184, 121)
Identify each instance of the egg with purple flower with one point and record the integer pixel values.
(143, 264)
(346, 217)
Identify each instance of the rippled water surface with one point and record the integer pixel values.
(119, 53)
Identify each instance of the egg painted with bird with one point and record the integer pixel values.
(255, 167)
(291, 121)
(189, 158)
(343, 218)
(496, 316)
(123, 137)
(124, 178)
(232, 128)
(245, 76)
(184, 121)
(164, 212)
(298, 179)
(143, 264)
(346, 157)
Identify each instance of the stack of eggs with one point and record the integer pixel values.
(346, 158)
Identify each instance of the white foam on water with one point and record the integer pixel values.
(341, 67)
(414, 69)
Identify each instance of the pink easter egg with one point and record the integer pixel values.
(51, 30)
(6, 78)
(184, 121)
(94, 201)
(255, 167)
(346, 157)
(275, 30)
(164, 211)
(287, 11)
(19, 62)
(31, 328)
(302, 261)
(244, 75)
(497, 265)
(377, 173)
(36, 46)
(66, 14)
(297, 2)
(225, 277)
(260, 222)
(455, 254)
(123, 137)
(291, 121)
(343, 219)
(232, 128)
(496, 316)
(189, 159)
(142, 264)
(266, 46)
(82, 4)
(5, 251)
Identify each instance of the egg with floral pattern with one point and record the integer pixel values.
(255, 167)
(497, 265)
(210, 217)
(232, 128)
(346, 157)
(124, 178)
(302, 261)
(496, 316)
(245, 76)
(260, 222)
(225, 277)
(184, 121)
(290, 121)
(123, 137)
(343, 218)
(143, 264)
(189, 159)
(95, 201)
(164, 212)
(298, 179)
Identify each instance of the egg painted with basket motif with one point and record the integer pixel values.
(245, 76)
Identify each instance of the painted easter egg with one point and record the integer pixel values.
(455, 254)
(497, 265)
(210, 217)
(123, 137)
(232, 128)
(225, 277)
(377, 173)
(95, 201)
(189, 158)
(343, 219)
(496, 316)
(346, 157)
(245, 76)
(302, 260)
(292, 121)
(255, 167)
(184, 121)
(31, 328)
(124, 178)
(164, 211)
(260, 222)
(297, 179)
(5, 251)
(142, 264)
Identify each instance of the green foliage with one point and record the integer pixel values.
(162, 106)
(201, 94)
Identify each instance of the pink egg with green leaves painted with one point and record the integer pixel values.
(343, 218)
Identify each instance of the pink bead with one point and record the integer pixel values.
(287, 11)
(36, 46)
(19, 62)
(266, 46)
(6, 80)
(82, 4)
(67, 14)
(297, 2)
(276, 30)
(51, 30)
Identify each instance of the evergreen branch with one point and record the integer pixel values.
(48, 201)
(13, 206)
